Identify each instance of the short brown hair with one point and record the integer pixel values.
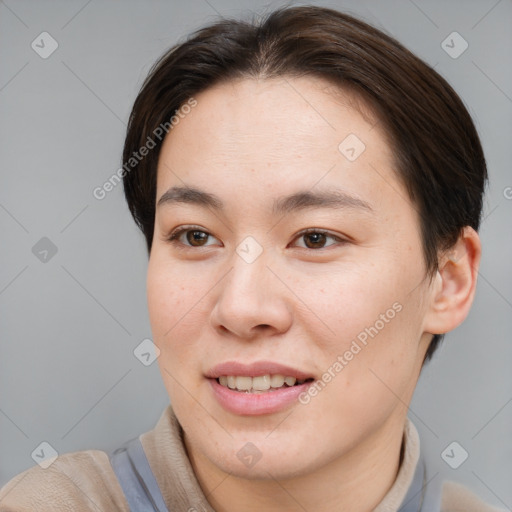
(437, 151)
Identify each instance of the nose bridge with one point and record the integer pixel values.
(250, 296)
(249, 268)
(249, 272)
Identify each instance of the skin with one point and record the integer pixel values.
(249, 142)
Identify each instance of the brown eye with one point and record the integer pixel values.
(197, 238)
(317, 239)
(314, 240)
(190, 237)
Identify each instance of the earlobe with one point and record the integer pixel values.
(453, 287)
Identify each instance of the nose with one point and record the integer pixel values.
(251, 301)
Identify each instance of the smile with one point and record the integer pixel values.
(259, 384)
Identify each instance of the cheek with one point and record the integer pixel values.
(374, 326)
(171, 295)
(172, 298)
(353, 300)
(174, 308)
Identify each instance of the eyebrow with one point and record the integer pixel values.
(300, 200)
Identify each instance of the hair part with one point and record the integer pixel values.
(436, 149)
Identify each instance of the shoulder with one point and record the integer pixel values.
(458, 498)
(75, 481)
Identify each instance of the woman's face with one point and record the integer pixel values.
(238, 289)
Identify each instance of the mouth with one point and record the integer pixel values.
(258, 388)
(261, 383)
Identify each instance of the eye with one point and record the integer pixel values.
(317, 239)
(191, 236)
(194, 236)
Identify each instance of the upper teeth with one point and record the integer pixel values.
(260, 383)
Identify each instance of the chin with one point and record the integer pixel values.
(255, 456)
(268, 467)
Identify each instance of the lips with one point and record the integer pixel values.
(255, 370)
(259, 384)
(249, 401)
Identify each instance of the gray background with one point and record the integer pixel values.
(69, 325)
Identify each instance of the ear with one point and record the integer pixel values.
(453, 287)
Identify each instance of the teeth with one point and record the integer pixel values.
(243, 383)
(261, 383)
(257, 384)
(290, 381)
(276, 381)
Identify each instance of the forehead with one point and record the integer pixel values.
(261, 135)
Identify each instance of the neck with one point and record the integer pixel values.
(358, 480)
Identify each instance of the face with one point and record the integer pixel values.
(297, 254)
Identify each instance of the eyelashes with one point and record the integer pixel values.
(196, 232)
(193, 237)
(323, 235)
